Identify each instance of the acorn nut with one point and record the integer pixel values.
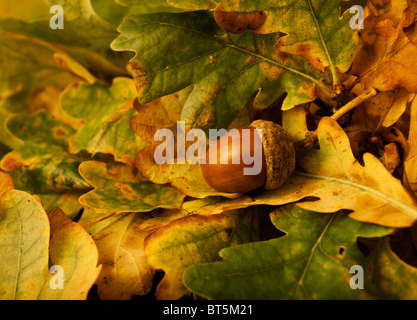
(230, 172)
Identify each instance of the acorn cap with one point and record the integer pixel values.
(279, 152)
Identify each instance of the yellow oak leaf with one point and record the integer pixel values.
(120, 240)
(190, 240)
(44, 257)
(6, 183)
(335, 180)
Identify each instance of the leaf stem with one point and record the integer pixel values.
(311, 139)
(354, 103)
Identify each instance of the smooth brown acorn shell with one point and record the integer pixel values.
(278, 160)
(230, 177)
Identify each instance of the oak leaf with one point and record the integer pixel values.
(225, 70)
(180, 4)
(314, 30)
(311, 261)
(335, 180)
(118, 190)
(28, 64)
(42, 164)
(6, 183)
(193, 239)
(388, 62)
(120, 240)
(384, 266)
(103, 129)
(28, 241)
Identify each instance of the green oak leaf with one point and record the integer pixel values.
(114, 11)
(312, 261)
(386, 269)
(181, 4)
(42, 164)
(110, 11)
(314, 29)
(86, 36)
(6, 137)
(28, 65)
(174, 51)
(117, 190)
(105, 112)
(34, 166)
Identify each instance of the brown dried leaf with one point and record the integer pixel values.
(389, 62)
(410, 164)
(6, 183)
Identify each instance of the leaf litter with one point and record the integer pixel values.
(77, 139)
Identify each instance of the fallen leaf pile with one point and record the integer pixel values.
(87, 213)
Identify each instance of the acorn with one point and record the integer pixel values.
(229, 173)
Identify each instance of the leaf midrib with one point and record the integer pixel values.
(300, 282)
(20, 251)
(332, 68)
(404, 207)
(246, 51)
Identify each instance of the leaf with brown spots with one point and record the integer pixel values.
(225, 70)
(28, 65)
(239, 22)
(117, 190)
(104, 112)
(314, 30)
(193, 239)
(42, 164)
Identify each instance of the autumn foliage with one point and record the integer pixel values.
(79, 187)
